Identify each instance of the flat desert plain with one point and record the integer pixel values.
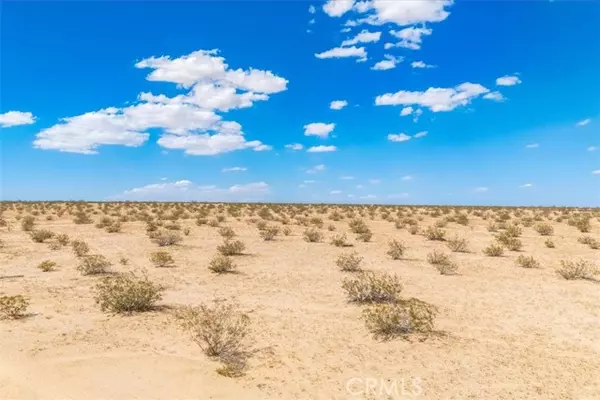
(507, 326)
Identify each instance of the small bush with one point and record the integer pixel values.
(312, 235)
(527, 262)
(369, 287)
(164, 239)
(161, 259)
(269, 233)
(400, 318)
(339, 240)
(13, 307)
(93, 264)
(127, 293)
(221, 264)
(39, 235)
(494, 250)
(396, 249)
(27, 223)
(227, 233)
(544, 229)
(349, 262)
(80, 248)
(581, 269)
(231, 247)
(549, 243)
(458, 244)
(47, 266)
(435, 233)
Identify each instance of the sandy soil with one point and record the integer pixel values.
(508, 332)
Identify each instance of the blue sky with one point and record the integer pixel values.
(433, 102)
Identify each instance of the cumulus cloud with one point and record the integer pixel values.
(318, 129)
(410, 38)
(421, 64)
(234, 169)
(16, 118)
(338, 104)
(321, 149)
(294, 146)
(363, 36)
(337, 8)
(344, 52)
(315, 169)
(187, 121)
(507, 80)
(435, 99)
(583, 122)
(390, 62)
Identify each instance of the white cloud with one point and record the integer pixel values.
(507, 80)
(592, 148)
(411, 38)
(421, 64)
(337, 8)
(420, 134)
(338, 104)
(495, 96)
(16, 118)
(294, 146)
(398, 137)
(406, 111)
(596, 172)
(335, 192)
(526, 185)
(584, 122)
(343, 52)
(481, 189)
(390, 62)
(532, 146)
(312, 9)
(315, 169)
(321, 149)
(234, 169)
(363, 37)
(407, 178)
(185, 190)
(436, 99)
(318, 129)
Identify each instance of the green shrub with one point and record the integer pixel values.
(127, 293)
(369, 287)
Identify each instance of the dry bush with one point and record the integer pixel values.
(222, 264)
(227, 233)
(349, 262)
(93, 264)
(403, 317)
(396, 249)
(312, 235)
(80, 248)
(166, 239)
(47, 266)
(581, 269)
(494, 250)
(527, 262)
(458, 244)
(544, 229)
(435, 233)
(365, 236)
(231, 247)
(549, 243)
(339, 240)
(27, 223)
(39, 235)
(127, 293)
(269, 233)
(162, 259)
(369, 287)
(13, 307)
(62, 239)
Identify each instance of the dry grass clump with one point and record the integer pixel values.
(494, 250)
(339, 240)
(222, 264)
(580, 269)
(435, 233)
(162, 259)
(312, 235)
(127, 293)
(269, 233)
(458, 244)
(527, 262)
(13, 307)
(544, 229)
(396, 249)
(401, 318)
(549, 243)
(369, 287)
(47, 266)
(349, 262)
(39, 235)
(93, 264)
(80, 248)
(227, 233)
(164, 239)
(231, 247)
(27, 223)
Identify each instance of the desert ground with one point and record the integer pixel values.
(505, 326)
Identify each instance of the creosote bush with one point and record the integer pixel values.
(47, 266)
(162, 259)
(231, 247)
(494, 250)
(458, 244)
(127, 293)
(527, 262)
(580, 269)
(13, 307)
(369, 287)
(222, 264)
(400, 318)
(349, 262)
(396, 249)
(93, 264)
(312, 235)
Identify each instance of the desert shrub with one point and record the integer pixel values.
(80, 248)
(396, 249)
(93, 264)
(13, 307)
(166, 239)
(494, 250)
(227, 233)
(527, 262)
(27, 223)
(544, 229)
(458, 244)
(549, 243)
(349, 262)
(580, 269)
(312, 235)
(231, 247)
(437, 257)
(47, 265)
(400, 318)
(222, 264)
(339, 240)
(62, 239)
(161, 259)
(287, 231)
(269, 233)
(39, 235)
(435, 233)
(369, 287)
(127, 293)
